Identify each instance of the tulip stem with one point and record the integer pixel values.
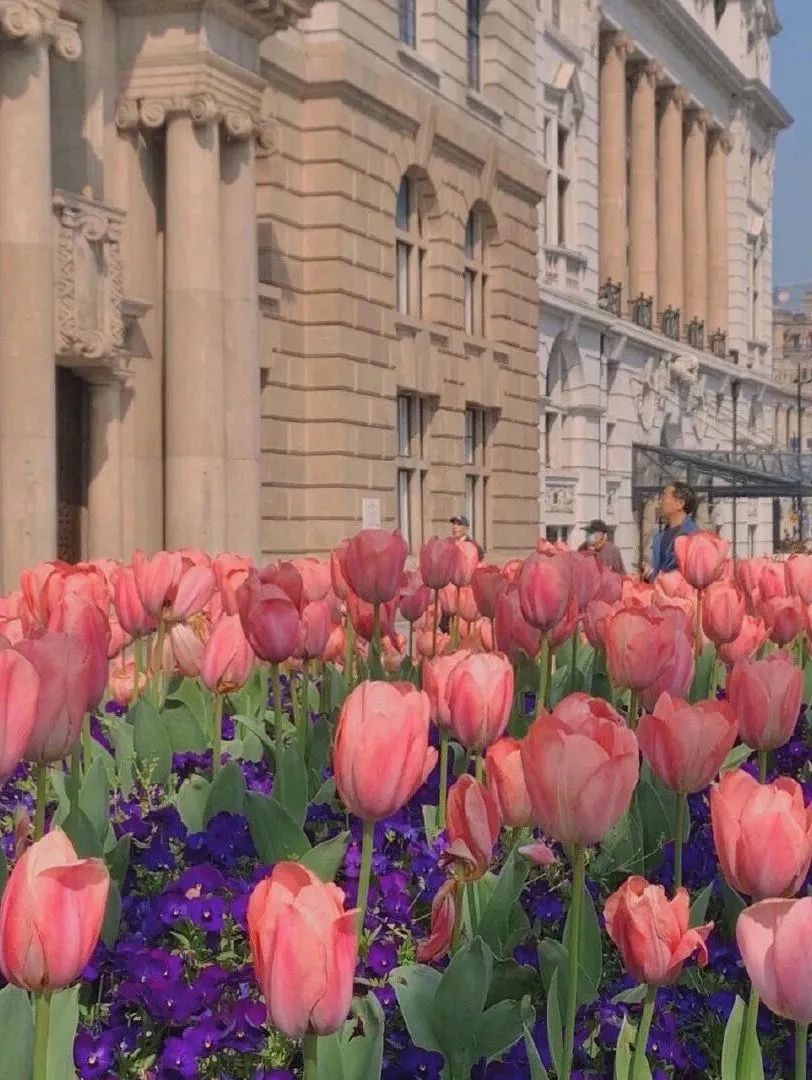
(87, 744)
(634, 709)
(303, 716)
(217, 735)
(41, 774)
(138, 655)
(277, 715)
(578, 885)
(310, 1049)
(443, 797)
(367, 844)
(375, 666)
(698, 632)
(434, 625)
(679, 829)
(42, 1017)
(762, 766)
(574, 663)
(349, 650)
(641, 1042)
(801, 1042)
(748, 1037)
(479, 768)
(158, 663)
(545, 671)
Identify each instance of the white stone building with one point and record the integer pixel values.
(658, 126)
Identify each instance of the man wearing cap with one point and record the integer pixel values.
(598, 542)
(459, 531)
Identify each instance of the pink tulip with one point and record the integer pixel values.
(187, 643)
(505, 776)
(701, 557)
(586, 578)
(51, 915)
(784, 618)
(611, 589)
(413, 596)
(653, 933)
(466, 604)
(686, 745)
(596, 614)
(512, 632)
(227, 656)
(436, 673)
(304, 948)
(511, 571)
(373, 564)
(473, 825)
(269, 619)
(438, 558)
(677, 677)
(466, 560)
(538, 853)
(775, 940)
(230, 571)
(638, 646)
(315, 576)
(382, 753)
(579, 710)
(337, 570)
(157, 580)
(362, 616)
(443, 918)
(77, 615)
(488, 583)
(762, 833)
(545, 588)
(63, 666)
(766, 698)
(722, 612)
(336, 646)
(314, 630)
(580, 781)
(128, 604)
(284, 575)
(19, 690)
(480, 695)
(568, 626)
(798, 576)
(751, 637)
(121, 681)
(674, 586)
(748, 574)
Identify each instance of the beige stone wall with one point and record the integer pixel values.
(351, 121)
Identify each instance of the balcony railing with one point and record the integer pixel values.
(718, 343)
(642, 311)
(669, 322)
(695, 333)
(610, 297)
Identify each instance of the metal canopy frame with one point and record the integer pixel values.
(747, 473)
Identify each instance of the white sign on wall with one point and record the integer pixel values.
(371, 513)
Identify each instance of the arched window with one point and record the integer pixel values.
(475, 290)
(410, 248)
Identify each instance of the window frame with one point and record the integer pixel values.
(477, 432)
(412, 418)
(407, 23)
(411, 246)
(473, 42)
(475, 275)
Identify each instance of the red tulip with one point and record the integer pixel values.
(304, 948)
(511, 570)
(382, 753)
(766, 698)
(337, 570)
(653, 933)
(722, 612)
(227, 656)
(545, 588)
(580, 781)
(480, 695)
(638, 646)
(775, 941)
(568, 626)
(438, 558)
(798, 576)
(373, 564)
(269, 619)
(19, 690)
(436, 673)
(51, 915)
(784, 618)
(751, 637)
(284, 576)
(315, 576)
(596, 614)
(505, 775)
(466, 604)
(762, 833)
(443, 918)
(488, 583)
(362, 616)
(611, 589)
(230, 571)
(314, 630)
(466, 559)
(686, 745)
(413, 596)
(473, 825)
(512, 632)
(63, 666)
(586, 578)
(701, 557)
(677, 677)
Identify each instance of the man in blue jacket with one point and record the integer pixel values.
(677, 505)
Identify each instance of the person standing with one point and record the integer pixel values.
(459, 531)
(677, 504)
(598, 542)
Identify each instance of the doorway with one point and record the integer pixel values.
(72, 416)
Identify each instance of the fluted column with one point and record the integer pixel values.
(27, 345)
(104, 491)
(720, 146)
(695, 217)
(643, 182)
(670, 277)
(241, 337)
(612, 159)
(195, 512)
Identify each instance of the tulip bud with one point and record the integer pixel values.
(775, 941)
(766, 698)
(480, 695)
(473, 825)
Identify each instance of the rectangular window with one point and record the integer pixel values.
(408, 22)
(469, 282)
(549, 438)
(555, 13)
(404, 504)
(402, 253)
(556, 533)
(404, 425)
(563, 187)
(563, 135)
(474, 22)
(411, 467)
(477, 470)
(755, 296)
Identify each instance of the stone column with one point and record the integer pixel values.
(695, 218)
(104, 491)
(241, 353)
(27, 345)
(643, 182)
(612, 159)
(718, 284)
(195, 511)
(670, 278)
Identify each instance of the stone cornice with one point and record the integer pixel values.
(28, 21)
(194, 74)
(256, 17)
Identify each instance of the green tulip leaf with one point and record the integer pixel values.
(623, 1050)
(635, 995)
(17, 1029)
(184, 729)
(699, 908)
(190, 694)
(703, 677)
(118, 858)
(153, 751)
(64, 1021)
(112, 916)
(590, 951)
(82, 834)
(191, 802)
(734, 1032)
(319, 742)
(227, 793)
(290, 783)
(277, 837)
(511, 981)
(325, 859)
(94, 797)
(737, 756)
(495, 922)
(555, 1026)
(537, 1070)
(498, 1029)
(3, 870)
(415, 987)
(460, 1000)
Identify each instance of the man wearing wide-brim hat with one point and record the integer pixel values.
(598, 542)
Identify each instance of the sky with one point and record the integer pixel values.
(792, 82)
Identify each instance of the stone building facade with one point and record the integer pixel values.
(658, 125)
(267, 272)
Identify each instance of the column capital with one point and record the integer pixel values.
(30, 21)
(721, 140)
(152, 114)
(617, 42)
(650, 70)
(678, 95)
(697, 118)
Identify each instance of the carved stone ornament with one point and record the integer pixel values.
(559, 498)
(89, 280)
(27, 21)
(151, 114)
(238, 124)
(650, 396)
